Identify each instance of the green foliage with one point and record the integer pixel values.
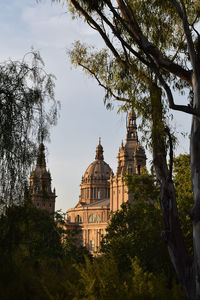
(29, 232)
(117, 80)
(102, 280)
(154, 46)
(134, 263)
(25, 91)
(184, 195)
(124, 74)
(134, 225)
(34, 261)
(143, 187)
(74, 253)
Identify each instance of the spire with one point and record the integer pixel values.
(41, 162)
(99, 151)
(131, 127)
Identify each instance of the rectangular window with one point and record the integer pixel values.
(98, 193)
(95, 193)
(107, 192)
(92, 245)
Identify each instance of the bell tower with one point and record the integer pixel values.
(40, 184)
(131, 158)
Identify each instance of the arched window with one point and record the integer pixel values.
(94, 218)
(78, 219)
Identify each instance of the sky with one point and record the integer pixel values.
(50, 29)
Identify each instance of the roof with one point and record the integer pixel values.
(103, 202)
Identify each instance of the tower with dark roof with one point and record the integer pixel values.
(40, 184)
(131, 158)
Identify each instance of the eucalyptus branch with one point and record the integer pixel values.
(96, 25)
(178, 8)
(123, 42)
(125, 52)
(177, 50)
(102, 85)
(91, 25)
(171, 155)
(187, 109)
(150, 48)
(195, 20)
(183, 16)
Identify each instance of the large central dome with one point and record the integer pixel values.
(98, 169)
(95, 184)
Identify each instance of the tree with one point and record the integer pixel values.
(29, 244)
(153, 49)
(27, 109)
(29, 232)
(131, 227)
(35, 263)
(102, 279)
(184, 196)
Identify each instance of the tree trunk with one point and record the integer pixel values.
(171, 234)
(195, 175)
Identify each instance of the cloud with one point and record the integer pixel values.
(52, 25)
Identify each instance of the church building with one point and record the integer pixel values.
(102, 191)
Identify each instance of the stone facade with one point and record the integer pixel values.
(131, 158)
(40, 184)
(102, 192)
(92, 219)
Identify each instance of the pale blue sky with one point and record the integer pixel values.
(83, 118)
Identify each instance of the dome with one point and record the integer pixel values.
(98, 169)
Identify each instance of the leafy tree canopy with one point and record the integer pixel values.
(36, 262)
(184, 195)
(134, 231)
(27, 109)
(154, 46)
